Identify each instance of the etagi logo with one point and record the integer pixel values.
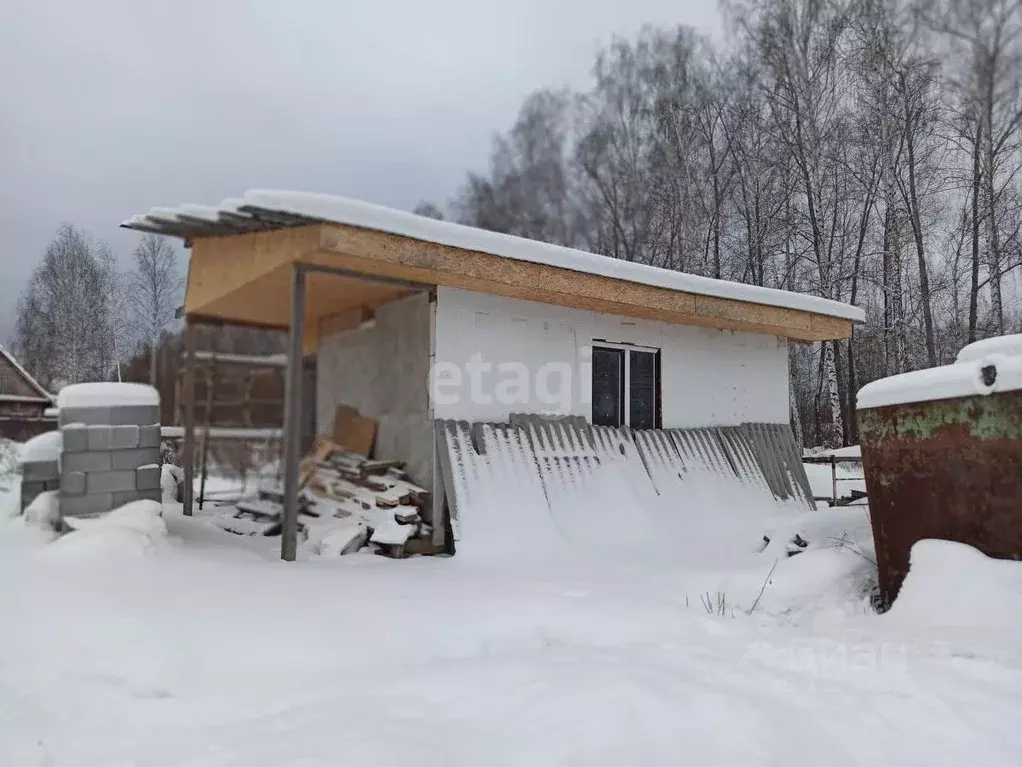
(559, 385)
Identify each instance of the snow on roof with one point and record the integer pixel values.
(103, 394)
(43, 447)
(311, 207)
(43, 394)
(970, 375)
(852, 451)
(997, 345)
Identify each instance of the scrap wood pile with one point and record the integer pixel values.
(346, 501)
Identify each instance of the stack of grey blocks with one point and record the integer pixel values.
(110, 457)
(38, 477)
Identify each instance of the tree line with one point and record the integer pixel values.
(82, 318)
(865, 151)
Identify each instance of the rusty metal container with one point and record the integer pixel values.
(946, 467)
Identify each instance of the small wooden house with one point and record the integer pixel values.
(23, 402)
(414, 320)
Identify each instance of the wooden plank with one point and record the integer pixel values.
(381, 465)
(308, 465)
(353, 432)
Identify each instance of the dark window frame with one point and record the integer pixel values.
(624, 394)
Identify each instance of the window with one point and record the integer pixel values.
(626, 386)
(9, 380)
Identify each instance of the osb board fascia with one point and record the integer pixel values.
(220, 266)
(401, 257)
(826, 328)
(266, 300)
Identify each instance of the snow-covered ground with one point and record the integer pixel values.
(150, 642)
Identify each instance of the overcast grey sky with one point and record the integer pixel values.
(110, 107)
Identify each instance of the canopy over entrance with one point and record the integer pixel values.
(243, 250)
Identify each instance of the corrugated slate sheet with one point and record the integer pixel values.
(537, 474)
(592, 486)
(703, 448)
(491, 468)
(662, 461)
(776, 452)
(616, 447)
(743, 458)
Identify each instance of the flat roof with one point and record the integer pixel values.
(261, 210)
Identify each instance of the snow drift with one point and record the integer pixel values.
(954, 586)
(134, 530)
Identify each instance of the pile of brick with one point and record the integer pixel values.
(110, 456)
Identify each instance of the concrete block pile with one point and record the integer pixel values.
(39, 466)
(110, 452)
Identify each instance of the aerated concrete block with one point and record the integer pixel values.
(99, 437)
(132, 459)
(90, 461)
(39, 471)
(147, 478)
(86, 415)
(77, 505)
(124, 437)
(134, 415)
(149, 436)
(75, 439)
(109, 481)
(72, 482)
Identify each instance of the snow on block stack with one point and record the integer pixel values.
(111, 446)
(39, 471)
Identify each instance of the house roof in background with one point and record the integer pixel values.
(44, 396)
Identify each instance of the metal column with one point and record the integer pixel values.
(293, 416)
(188, 449)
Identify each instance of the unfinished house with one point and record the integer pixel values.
(477, 353)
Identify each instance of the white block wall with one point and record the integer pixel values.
(383, 371)
(709, 377)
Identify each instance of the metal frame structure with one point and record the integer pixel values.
(292, 396)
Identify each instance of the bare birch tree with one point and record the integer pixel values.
(62, 332)
(860, 150)
(155, 292)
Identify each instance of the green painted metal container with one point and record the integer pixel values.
(943, 466)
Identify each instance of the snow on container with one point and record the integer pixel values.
(942, 454)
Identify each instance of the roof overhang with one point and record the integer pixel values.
(243, 253)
